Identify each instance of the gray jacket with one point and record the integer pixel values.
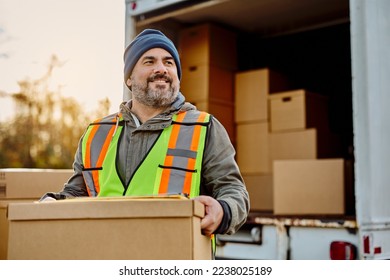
(221, 177)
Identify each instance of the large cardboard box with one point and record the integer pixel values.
(309, 187)
(253, 148)
(22, 183)
(108, 229)
(251, 93)
(298, 109)
(208, 44)
(4, 225)
(207, 83)
(260, 189)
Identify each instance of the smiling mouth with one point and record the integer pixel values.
(159, 79)
(160, 84)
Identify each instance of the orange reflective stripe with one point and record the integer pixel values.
(102, 156)
(95, 176)
(196, 134)
(104, 150)
(193, 147)
(166, 173)
(188, 177)
(175, 131)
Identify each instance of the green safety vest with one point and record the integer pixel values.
(172, 166)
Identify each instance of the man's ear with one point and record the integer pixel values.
(128, 82)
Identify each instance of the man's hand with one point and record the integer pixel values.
(47, 199)
(213, 214)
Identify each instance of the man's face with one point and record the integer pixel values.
(154, 81)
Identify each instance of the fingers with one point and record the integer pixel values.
(47, 199)
(213, 214)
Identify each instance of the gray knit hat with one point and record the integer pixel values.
(146, 40)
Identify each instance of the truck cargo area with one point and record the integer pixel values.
(325, 47)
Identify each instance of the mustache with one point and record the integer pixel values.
(159, 77)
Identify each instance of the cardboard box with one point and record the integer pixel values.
(21, 183)
(207, 83)
(4, 227)
(108, 229)
(253, 148)
(3, 230)
(298, 109)
(260, 189)
(208, 44)
(304, 144)
(293, 145)
(309, 187)
(251, 93)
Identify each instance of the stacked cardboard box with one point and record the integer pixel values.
(299, 126)
(275, 123)
(209, 60)
(252, 124)
(19, 185)
(308, 178)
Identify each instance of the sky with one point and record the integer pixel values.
(87, 35)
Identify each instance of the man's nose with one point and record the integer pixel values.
(160, 67)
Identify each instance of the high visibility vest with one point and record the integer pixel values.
(172, 166)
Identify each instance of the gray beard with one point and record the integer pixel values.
(158, 98)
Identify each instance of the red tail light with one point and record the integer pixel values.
(342, 250)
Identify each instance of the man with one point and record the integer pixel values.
(159, 144)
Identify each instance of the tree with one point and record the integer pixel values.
(46, 128)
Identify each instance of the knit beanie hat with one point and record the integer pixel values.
(146, 40)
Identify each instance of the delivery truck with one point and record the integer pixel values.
(302, 88)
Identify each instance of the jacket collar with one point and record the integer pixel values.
(178, 105)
